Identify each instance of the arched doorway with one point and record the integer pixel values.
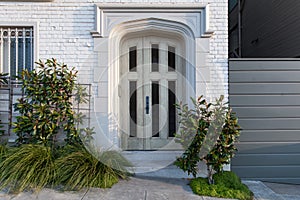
(151, 69)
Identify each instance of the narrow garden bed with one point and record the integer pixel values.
(34, 166)
(208, 133)
(227, 185)
(48, 109)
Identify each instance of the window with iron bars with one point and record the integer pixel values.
(16, 50)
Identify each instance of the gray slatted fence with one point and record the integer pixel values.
(265, 94)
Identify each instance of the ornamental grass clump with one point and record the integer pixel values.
(35, 166)
(27, 167)
(78, 168)
(3, 152)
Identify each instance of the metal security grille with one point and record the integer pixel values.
(16, 49)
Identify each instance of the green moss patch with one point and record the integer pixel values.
(227, 185)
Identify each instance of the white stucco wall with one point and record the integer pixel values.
(64, 26)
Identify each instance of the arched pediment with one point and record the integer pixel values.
(195, 16)
(153, 26)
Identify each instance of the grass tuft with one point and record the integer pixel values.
(78, 169)
(27, 167)
(3, 152)
(33, 167)
(227, 185)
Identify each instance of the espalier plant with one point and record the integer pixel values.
(46, 107)
(81, 97)
(207, 133)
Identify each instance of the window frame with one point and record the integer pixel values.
(34, 25)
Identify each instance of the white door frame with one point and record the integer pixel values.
(140, 27)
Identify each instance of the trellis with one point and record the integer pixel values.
(10, 92)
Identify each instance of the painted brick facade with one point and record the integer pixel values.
(64, 26)
(64, 33)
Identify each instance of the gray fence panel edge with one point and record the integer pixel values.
(265, 94)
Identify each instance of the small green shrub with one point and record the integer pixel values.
(46, 107)
(78, 168)
(207, 132)
(227, 185)
(27, 167)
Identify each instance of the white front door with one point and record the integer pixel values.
(151, 82)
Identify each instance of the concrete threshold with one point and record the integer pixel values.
(158, 164)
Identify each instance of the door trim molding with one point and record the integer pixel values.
(194, 15)
(144, 26)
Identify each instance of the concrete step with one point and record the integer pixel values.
(158, 164)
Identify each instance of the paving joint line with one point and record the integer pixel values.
(85, 194)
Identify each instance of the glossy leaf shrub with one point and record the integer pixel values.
(208, 132)
(46, 107)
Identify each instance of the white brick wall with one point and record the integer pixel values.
(64, 33)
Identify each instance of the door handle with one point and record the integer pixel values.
(147, 104)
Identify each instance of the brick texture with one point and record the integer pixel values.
(64, 33)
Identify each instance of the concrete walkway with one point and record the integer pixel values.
(147, 188)
(136, 188)
(274, 191)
